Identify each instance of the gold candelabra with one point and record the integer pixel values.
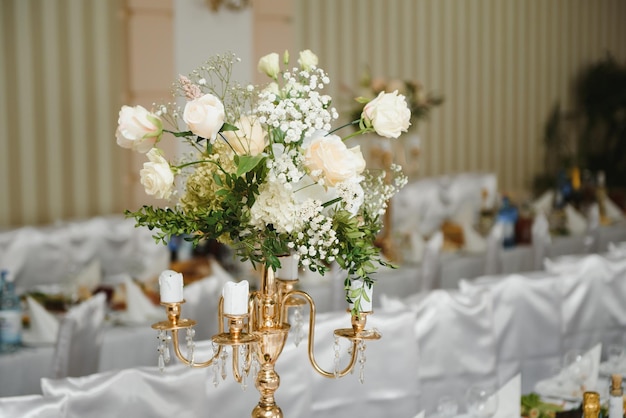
(262, 333)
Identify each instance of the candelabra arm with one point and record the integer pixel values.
(184, 360)
(311, 339)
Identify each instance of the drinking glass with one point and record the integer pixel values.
(482, 401)
(578, 366)
(447, 407)
(616, 356)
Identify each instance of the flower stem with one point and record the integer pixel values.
(354, 122)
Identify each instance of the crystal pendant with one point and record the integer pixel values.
(216, 368)
(163, 349)
(222, 363)
(336, 359)
(298, 333)
(191, 345)
(243, 365)
(361, 360)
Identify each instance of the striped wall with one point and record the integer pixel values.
(60, 82)
(501, 65)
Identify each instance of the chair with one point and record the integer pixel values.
(33, 406)
(180, 391)
(593, 303)
(457, 345)
(390, 387)
(37, 257)
(77, 351)
(527, 324)
(202, 298)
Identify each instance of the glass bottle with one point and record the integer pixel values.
(616, 397)
(10, 315)
(591, 405)
(507, 216)
(601, 196)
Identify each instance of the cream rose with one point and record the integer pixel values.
(138, 129)
(269, 64)
(204, 116)
(307, 59)
(328, 157)
(249, 139)
(388, 114)
(157, 176)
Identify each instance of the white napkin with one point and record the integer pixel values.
(593, 216)
(613, 212)
(544, 203)
(509, 397)
(90, 276)
(420, 415)
(414, 251)
(617, 250)
(576, 222)
(139, 309)
(541, 239)
(595, 354)
(430, 263)
(44, 326)
(473, 241)
(494, 247)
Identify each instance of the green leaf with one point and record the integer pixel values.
(331, 202)
(247, 163)
(228, 127)
(179, 134)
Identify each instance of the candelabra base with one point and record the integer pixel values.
(271, 411)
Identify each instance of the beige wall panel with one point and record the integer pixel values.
(501, 65)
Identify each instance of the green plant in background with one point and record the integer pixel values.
(601, 101)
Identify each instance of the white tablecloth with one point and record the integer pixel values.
(123, 347)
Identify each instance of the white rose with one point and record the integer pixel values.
(307, 59)
(269, 64)
(249, 139)
(329, 156)
(204, 116)
(138, 129)
(388, 114)
(157, 176)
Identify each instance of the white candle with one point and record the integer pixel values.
(171, 286)
(366, 305)
(288, 267)
(235, 298)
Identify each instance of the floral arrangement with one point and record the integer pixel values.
(264, 172)
(420, 101)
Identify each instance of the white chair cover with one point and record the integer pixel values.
(44, 258)
(78, 346)
(201, 304)
(593, 307)
(33, 406)
(457, 346)
(418, 206)
(429, 271)
(181, 391)
(390, 387)
(527, 325)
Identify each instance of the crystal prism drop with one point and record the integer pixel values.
(362, 359)
(161, 363)
(336, 359)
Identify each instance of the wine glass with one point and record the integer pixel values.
(616, 356)
(482, 401)
(578, 366)
(447, 407)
